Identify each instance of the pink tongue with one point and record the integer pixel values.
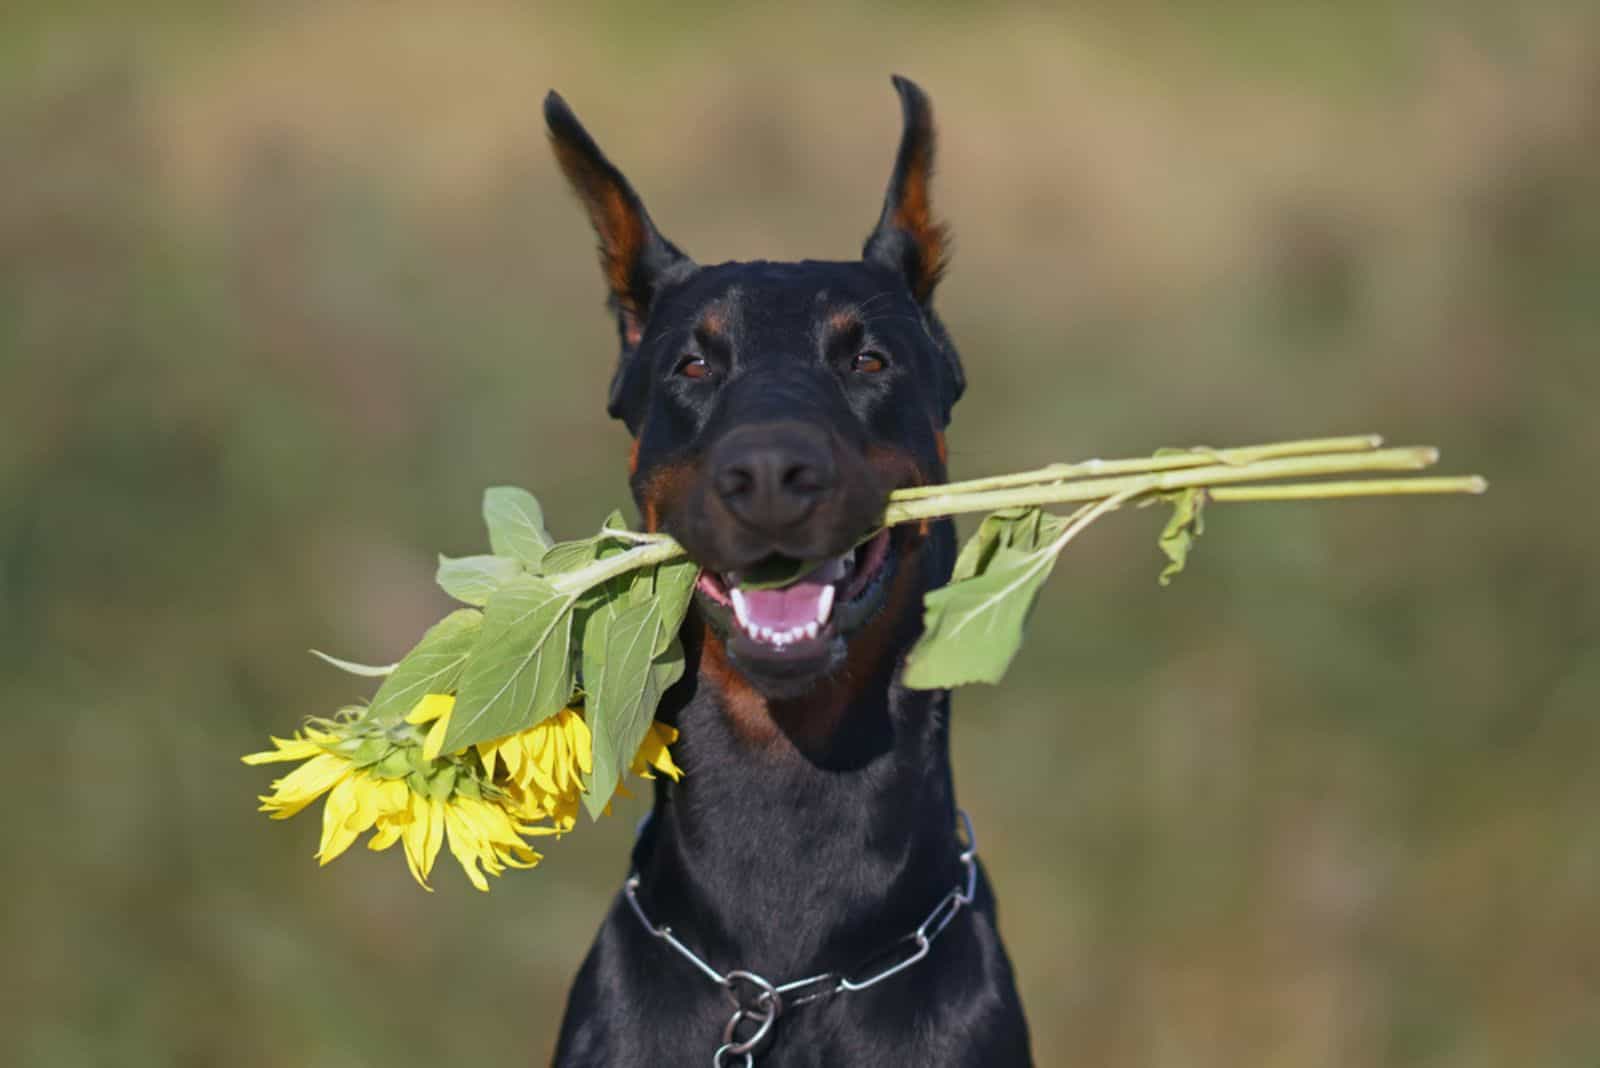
(785, 609)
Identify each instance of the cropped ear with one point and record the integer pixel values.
(907, 238)
(635, 259)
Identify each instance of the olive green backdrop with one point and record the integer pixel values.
(284, 286)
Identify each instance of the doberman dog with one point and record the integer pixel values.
(814, 835)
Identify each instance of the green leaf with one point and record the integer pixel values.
(667, 670)
(397, 765)
(370, 751)
(973, 628)
(516, 524)
(432, 666)
(565, 556)
(1178, 536)
(620, 691)
(442, 783)
(520, 671)
(996, 529)
(774, 572)
(471, 579)
(674, 589)
(367, 670)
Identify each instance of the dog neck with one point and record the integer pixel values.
(805, 835)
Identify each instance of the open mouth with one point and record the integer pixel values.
(800, 620)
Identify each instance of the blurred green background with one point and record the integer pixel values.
(284, 286)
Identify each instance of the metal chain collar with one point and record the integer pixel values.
(766, 1001)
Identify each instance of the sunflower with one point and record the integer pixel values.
(483, 802)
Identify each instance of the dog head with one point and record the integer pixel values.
(774, 406)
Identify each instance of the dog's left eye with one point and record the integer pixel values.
(692, 367)
(868, 363)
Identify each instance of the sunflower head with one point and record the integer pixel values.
(485, 801)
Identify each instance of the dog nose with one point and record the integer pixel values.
(771, 477)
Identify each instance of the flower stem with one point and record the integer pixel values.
(659, 549)
(1196, 457)
(954, 503)
(1211, 469)
(1370, 487)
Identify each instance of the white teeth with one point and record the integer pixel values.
(740, 608)
(824, 605)
(780, 638)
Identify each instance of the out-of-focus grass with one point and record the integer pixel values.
(282, 288)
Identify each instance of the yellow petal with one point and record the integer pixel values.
(465, 845)
(304, 785)
(431, 707)
(284, 749)
(392, 800)
(435, 739)
(582, 741)
(653, 753)
(387, 834)
(486, 751)
(423, 835)
(341, 805)
(511, 751)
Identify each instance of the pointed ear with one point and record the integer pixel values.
(635, 259)
(908, 238)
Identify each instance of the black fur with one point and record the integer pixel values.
(815, 824)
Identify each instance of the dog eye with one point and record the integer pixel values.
(869, 363)
(692, 367)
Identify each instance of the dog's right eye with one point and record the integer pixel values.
(692, 367)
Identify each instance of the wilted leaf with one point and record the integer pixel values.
(1178, 536)
(516, 524)
(471, 579)
(520, 671)
(432, 666)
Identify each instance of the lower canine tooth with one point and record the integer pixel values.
(811, 629)
(740, 609)
(825, 604)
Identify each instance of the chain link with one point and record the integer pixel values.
(771, 999)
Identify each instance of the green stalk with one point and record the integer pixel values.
(1196, 457)
(657, 550)
(1209, 469)
(1369, 487)
(955, 503)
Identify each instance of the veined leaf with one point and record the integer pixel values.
(674, 589)
(520, 671)
(565, 556)
(471, 579)
(1178, 536)
(516, 524)
(620, 691)
(366, 670)
(998, 528)
(432, 666)
(973, 628)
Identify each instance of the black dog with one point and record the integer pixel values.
(814, 835)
